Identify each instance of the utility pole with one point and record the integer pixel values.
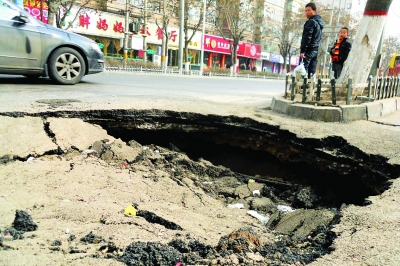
(163, 48)
(377, 60)
(144, 32)
(202, 38)
(328, 38)
(126, 32)
(180, 50)
(338, 16)
(285, 30)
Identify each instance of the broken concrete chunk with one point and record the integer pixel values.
(301, 223)
(79, 134)
(256, 186)
(119, 151)
(243, 191)
(134, 144)
(24, 136)
(98, 146)
(305, 198)
(262, 204)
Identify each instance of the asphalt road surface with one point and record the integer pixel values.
(17, 91)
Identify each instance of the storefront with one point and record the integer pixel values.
(35, 8)
(217, 51)
(248, 53)
(154, 42)
(277, 63)
(108, 29)
(274, 62)
(266, 63)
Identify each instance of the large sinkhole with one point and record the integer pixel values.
(334, 188)
(336, 171)
(316, 176)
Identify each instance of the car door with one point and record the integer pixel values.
(20, 41)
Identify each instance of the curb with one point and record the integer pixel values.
(342, 113)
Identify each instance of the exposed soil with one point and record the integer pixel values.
(199, 180)
(188, 211)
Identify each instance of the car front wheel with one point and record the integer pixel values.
(66, 66)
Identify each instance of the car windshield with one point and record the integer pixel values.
(10, 11)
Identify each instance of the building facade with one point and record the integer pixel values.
(108, 26)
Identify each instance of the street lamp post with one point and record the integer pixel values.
(126, 32)
(202, 38)
(181, 21)
(144, 31)
(338, 16)
(164, 49)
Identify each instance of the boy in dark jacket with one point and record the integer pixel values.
(312, 34)
(340, 51)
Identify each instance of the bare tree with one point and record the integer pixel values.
(168, 10)
(286, 34)
(391, 46)
(366, 42)
(234, 18)
(60, 9)
(191, 6)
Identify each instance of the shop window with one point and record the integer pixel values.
(112, 50)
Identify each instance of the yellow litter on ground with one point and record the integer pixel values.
(130, 211)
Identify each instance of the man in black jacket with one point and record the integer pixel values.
(340, 51)
(312, 34)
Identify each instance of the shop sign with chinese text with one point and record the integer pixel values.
(113, 26)
(217, 44)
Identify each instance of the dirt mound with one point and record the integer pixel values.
(23, 222)
(92, 239)
(150, 254)
(241, 241)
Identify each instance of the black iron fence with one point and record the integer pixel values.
(375, 89)
(208, 73)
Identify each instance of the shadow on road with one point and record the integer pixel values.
(11, 79)
(4, 79)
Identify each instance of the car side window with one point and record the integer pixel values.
(7, 12)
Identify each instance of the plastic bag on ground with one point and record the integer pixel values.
(284, 208)
(236, 206)
(262, 219)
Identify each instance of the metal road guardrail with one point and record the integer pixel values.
(174, 71)
(386, 87)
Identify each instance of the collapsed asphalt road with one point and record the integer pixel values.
(309, 170)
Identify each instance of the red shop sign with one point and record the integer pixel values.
(249, 50)
(216, 44)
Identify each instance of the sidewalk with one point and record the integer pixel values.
(379, 111)
(392, 119)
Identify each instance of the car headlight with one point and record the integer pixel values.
(96, 47)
